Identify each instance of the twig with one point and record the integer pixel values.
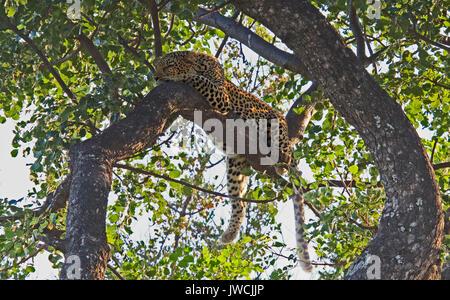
(418, 36)
(149, 173)
(5, 20)
(26, 258)
(434, 148)
(313, 209)
(216, 8)
(115, 272)
(122, 41)
(172, 19)
(94, 53)
(216, 163)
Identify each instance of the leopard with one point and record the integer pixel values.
(205, 74)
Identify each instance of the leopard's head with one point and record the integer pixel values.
(181, 65)
(176, 66)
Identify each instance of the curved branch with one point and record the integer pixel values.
(247, 37)
(297, 123)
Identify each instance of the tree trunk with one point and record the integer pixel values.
(85, 246)
(411, 226)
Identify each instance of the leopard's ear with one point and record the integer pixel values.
(157, 60)
(191, 57)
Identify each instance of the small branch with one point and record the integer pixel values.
(442, 165)
(435, 82)
(94, 52)
(372, 229)
(418, 36)
(92, 129)
(54, 201)
(216, 9)
(133, 51)
(54, 241)
(26, 258)
(149, 173)
(313, 208)
(115, 272)
(339, 184)
(122, 41)
(432, 151)
(356, 28)
(64, 58)
(5, 20)
(153, 8)
(216, 163)
(172, 19)
(225, 39)
(297, 123)
(374, 57)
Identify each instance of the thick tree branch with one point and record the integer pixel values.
(247, 37)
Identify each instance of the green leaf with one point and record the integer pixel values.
(113, 218)
(14, 152)
(353, 169)
(175, 173)
(246, 239)
(10, 11)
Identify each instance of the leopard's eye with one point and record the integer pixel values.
(167, 68)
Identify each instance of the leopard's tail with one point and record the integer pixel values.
(299, 216)
(302, 244)
(237, 184)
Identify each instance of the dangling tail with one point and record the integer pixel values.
(302, 244)
(299, 215)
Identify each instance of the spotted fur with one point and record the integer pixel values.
(204, 73)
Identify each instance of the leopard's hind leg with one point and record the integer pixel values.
(237, 185)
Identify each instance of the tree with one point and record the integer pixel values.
(378, 191)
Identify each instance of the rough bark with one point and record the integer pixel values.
(411, 226)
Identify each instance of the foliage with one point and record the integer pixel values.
(181, 224)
